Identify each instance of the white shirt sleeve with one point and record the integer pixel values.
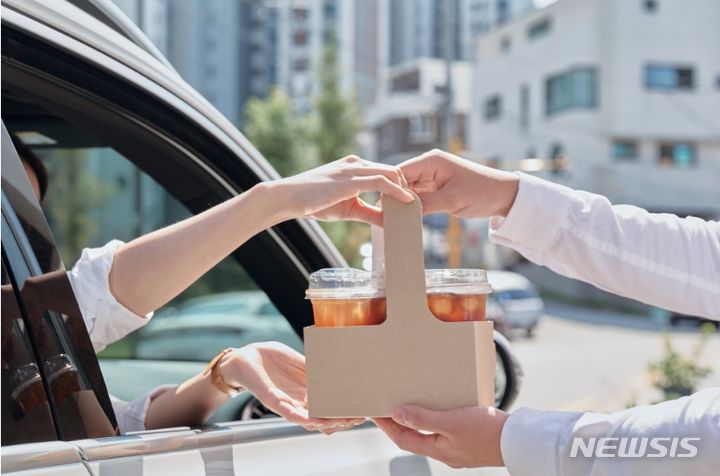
(131, 415)
(105, 318)
(539, 442)
(659, 259)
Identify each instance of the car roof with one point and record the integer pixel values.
(504, 280)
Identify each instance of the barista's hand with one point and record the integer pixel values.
(330, 192)
(448, 183)
(275, 374)
(463, 438)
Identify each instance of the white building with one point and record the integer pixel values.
(407, 118)
(625, 93)
(302, 30)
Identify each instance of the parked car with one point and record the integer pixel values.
(521, 304)
(87, 79)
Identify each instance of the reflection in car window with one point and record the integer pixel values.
(26, 413)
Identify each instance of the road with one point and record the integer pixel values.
(590, 360)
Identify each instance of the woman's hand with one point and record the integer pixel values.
(331, 192)
(448, 183)
(275, 374)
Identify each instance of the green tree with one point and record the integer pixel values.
(271, 125)
(335, 123)
(333, 129)
(293, 144)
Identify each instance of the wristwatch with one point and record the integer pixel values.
(216, 377)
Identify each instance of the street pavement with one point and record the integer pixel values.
(590, 360)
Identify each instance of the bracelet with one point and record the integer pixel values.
(216, 377)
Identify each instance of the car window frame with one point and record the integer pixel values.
(16, 190)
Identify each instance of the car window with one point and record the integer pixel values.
(517, 294)
(97, 194)
(26, 413)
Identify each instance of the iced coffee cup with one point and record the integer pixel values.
(345, 297)
(350, 297)
(456, 295)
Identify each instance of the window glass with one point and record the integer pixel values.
(572, 90)
(422, 129)
(539, 29)
(668, 77)
(26, 416)
(493, 108)
(524, 106)
(76, 391)
(650, 6)
(624, 149)
(679, 155)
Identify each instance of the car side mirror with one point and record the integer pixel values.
(508, 373)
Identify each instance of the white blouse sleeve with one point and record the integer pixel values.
(131, 415)
(105, 318)
(593, 444)
(657, 258)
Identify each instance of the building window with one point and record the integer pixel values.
(300, 38)
(505, 44)
(300, 65)
(524, 107)
(678, 154)
(422, 129)
(650, 6)
(493, 108)
(409, 81)
(666, 77)
(503, 11)
(299, 14)
(576, 89)
(624, 149)
(539, 29)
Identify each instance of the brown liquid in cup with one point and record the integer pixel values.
(373, 311)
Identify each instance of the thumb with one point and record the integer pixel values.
(433, 202)
(419, 418)
(362, 211)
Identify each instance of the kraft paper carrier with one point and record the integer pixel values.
(411, 358)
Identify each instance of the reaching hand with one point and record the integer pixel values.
(448, 183)
(331, 192)
(275, 374)
(463, 438)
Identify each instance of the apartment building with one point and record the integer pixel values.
(620, 97)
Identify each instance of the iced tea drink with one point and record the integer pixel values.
(348, 297)
(345, 297)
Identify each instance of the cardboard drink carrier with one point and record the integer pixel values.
(412, 357)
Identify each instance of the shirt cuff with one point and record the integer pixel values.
(536, 217)
(106, 319)
(530, 440)
(131, 415)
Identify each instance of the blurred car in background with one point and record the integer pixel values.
(201, 327)
(495, 313)
(520, 302)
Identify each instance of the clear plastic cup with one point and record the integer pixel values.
(351, 297)
(345, 297)
(456, 295)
